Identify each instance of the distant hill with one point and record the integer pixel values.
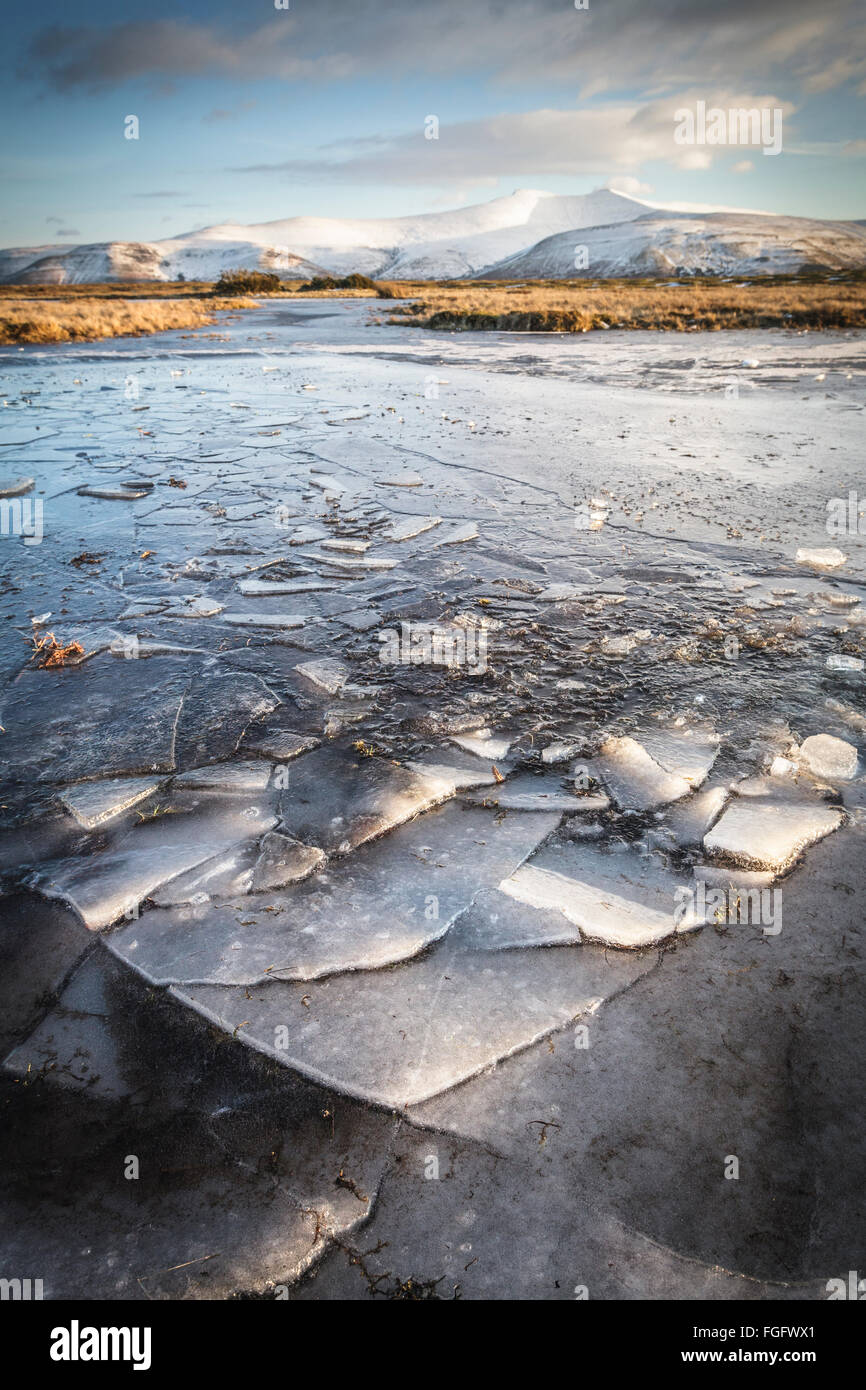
(525, 235)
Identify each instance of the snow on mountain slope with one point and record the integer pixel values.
(436, 245)
(526, 234)
(680, 243)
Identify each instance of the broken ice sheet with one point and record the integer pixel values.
(397, 1037)
(73, 1044)
(239, 778)
(484, 744)
(264, 587)
(114, 881)
(829, 757)
(15, 487)
(216, 710)
(353, 563)
(280, 744)
(383, 905)
(684, 753)
(620, 899)
(257, 1226)
(346, 543)
(284, 622)
(327, 674)
(828, 558)
(530, 792)
(690, 819)
(767, 832)
(282, 860)
(467, 532)
(95, 803)
(96, 720)
(337, 798)
(634, 779)
(412, 526)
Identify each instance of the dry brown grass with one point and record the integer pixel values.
(75, 319)
(48, 652)
(578, 306)
(112, 289)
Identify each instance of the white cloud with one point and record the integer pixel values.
(529, 144)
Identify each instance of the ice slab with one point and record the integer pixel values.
(97, 720)
(337, 799)
(329, 485)
(532, 793)
(280, 744)
(113, 882)
(408, 478)
(685, 754)
(15, 487)
(114, 494)
(382, 906)
(468, 532)
(484, 744)
(620, 900)
(346, 543)
(264, 587)
(398, 1037)
(201, 607)
(96, 803)
(238, 778)
(456, 777)
(361, 620)
(829, 757)
(763, 833)
(283, 860)
(216, 710)
(689, 820)
(281, 621)
(227, 875)
(559, 752)
(412, 526)
(328, 674)
(635, 780)
(564, 593)
(826, 558)
(354, 563)
(305, 535)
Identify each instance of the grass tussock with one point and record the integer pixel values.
(79, 319)
(578, 306)
(246, 282)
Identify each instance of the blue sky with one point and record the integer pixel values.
(250, 113)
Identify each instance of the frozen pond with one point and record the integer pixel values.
(472, 725)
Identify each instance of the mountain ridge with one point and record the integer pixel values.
(526, 234)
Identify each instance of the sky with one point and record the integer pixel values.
(249, 113)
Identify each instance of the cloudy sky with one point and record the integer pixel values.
(249, 113)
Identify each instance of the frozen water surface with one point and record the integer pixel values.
(409, 886)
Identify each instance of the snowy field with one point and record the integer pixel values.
(441, 856)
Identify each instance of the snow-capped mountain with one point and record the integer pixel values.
(670, 243)
(527, 234)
